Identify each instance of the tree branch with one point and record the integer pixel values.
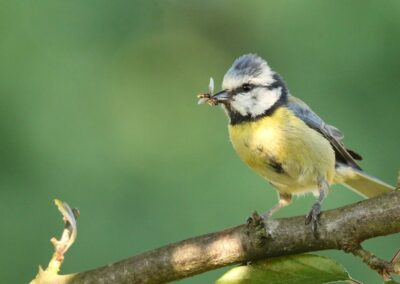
(342, 229)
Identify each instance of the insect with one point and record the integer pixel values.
(207, 97)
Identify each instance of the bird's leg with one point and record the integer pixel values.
(284, 200)
(313, 216)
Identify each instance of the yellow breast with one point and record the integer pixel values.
(285, 151)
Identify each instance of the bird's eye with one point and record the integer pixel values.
(247, 87)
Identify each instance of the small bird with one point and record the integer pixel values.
(283, 140)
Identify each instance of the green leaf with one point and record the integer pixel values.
(304, 269)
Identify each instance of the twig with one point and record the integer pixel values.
(383, 267)
(50, 274)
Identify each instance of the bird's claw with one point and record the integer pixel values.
(255, 219)
(249, 220)
(313, 218)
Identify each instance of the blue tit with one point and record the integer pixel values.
(284, 141)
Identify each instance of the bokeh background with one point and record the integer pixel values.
(98, 108)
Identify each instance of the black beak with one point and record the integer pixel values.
(222, 96)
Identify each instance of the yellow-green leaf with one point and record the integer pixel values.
(296, 269)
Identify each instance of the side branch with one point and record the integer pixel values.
(343, 229)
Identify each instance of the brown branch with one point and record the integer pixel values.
(343, 229)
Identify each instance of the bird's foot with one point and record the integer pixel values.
(257, 230)
(255, 219)
(313, 218)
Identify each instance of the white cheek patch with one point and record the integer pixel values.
(256, 102)
(242, 103)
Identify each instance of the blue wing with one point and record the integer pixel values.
(331, 133)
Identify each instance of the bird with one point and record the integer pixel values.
(284, 141)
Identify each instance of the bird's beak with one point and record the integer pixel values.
(221, 96)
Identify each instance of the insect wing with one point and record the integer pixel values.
(211, 86)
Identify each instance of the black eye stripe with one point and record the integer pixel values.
(251, 87)
(274, 85)
(247, 87)
(244, 88)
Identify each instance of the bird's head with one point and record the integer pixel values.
(250, 89)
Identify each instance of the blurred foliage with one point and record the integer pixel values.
(98, 108)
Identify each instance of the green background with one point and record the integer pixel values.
(98, 108)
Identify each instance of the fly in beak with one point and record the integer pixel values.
(215, 99)
(211, 99)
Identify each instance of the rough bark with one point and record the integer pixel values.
(344, 228)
